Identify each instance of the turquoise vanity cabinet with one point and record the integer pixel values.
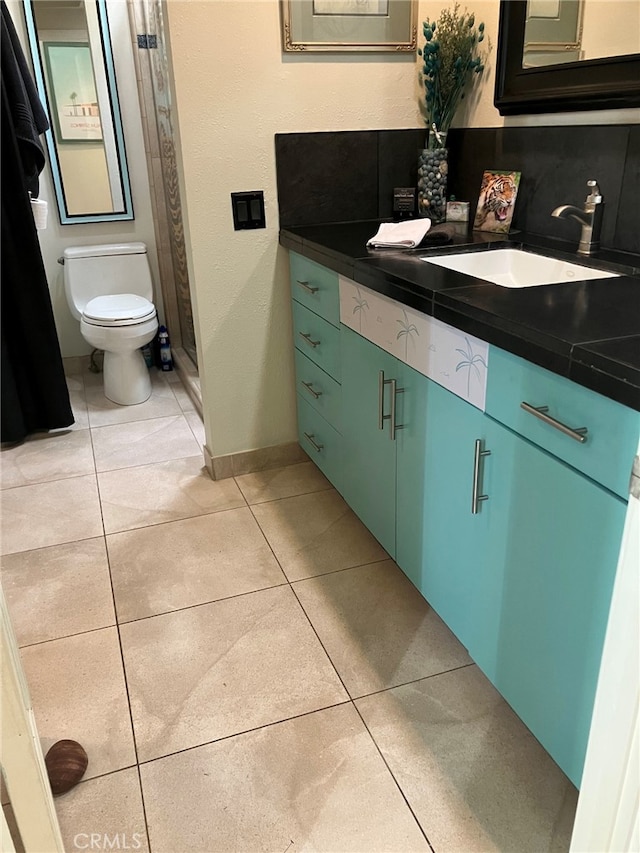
(385, 405)
(369, 456)
(525, 582)
(507, 517)
(442, 546)
(567, 458)
(316, 329)
(408, 464)
(547, 577)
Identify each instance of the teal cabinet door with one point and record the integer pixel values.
(524, 582)
(369, 454)
(412, 481)
(551, 562)
(441, 545)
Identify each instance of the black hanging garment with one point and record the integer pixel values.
(34, 389)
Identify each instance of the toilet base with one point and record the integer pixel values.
(126, 377)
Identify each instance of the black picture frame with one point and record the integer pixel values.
(594, 84)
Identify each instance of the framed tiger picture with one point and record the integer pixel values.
(497, 201)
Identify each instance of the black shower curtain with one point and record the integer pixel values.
(34, 392)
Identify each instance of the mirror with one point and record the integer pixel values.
(73, 64)
(559, 31)
(524, 85)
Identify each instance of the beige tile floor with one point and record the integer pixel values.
(246, 668)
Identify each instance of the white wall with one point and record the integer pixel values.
(76, 162)
(606, 23)
(235, 89)
(57, 237)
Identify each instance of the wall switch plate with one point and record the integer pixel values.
(248, 210)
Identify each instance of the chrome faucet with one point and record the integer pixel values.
(590, 218)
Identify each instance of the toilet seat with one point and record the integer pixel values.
(118, 309)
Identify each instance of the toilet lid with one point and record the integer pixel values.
(119, 307)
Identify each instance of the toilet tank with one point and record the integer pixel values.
(91, 271)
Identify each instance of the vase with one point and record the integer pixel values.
(432, 178)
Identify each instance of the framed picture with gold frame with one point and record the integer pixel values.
(349, 25)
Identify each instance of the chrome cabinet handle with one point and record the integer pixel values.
(381, 415)
(310, 438)
(307, 338)
(394, 427)
(310, 389)
(306, 286)
(578, 434)
(391, 417)
(477, 456)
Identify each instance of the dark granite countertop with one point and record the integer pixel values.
(588, 331)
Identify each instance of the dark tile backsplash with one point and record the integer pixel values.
(350, 175)
(327, 177)
(556, 163)
(628, 225)
(397, 164)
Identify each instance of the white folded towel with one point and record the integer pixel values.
(407, 235)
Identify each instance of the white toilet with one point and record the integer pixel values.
(109, 290)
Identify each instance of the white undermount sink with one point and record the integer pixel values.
(515, 268)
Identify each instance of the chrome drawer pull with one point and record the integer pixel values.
(308, 340)
(306, 286)
(578, 434)
(394, 427)
(391, 417)
(475, 497)
(309, 387)
(315, 445)
(381, 383)
(381, 415)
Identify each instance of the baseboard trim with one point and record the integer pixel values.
(188, 374)
(250, 461)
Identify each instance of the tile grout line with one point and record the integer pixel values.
(414, 681)
(124, 670)
(54, 544)
(285, 582)
(147, 464)
(117, 625)
(104, 536)
(175, 520)
(144, 806)
(201, 604)
(351, 700)
(157, 461)
(122, 658)
(338, 571)
(46, 439)
(353, 703)
(275, 500)
(117, 628)
(399, 787)
(310, 577)
(48, 482)
(233, 735)
(75, 633)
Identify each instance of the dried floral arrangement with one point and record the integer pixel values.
(451, 59)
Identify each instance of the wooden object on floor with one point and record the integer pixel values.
(66, 763)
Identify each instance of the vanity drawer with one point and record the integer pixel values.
(317, 339)
(319, 389)
(320, 441)
(613, 430)
(316, 287)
